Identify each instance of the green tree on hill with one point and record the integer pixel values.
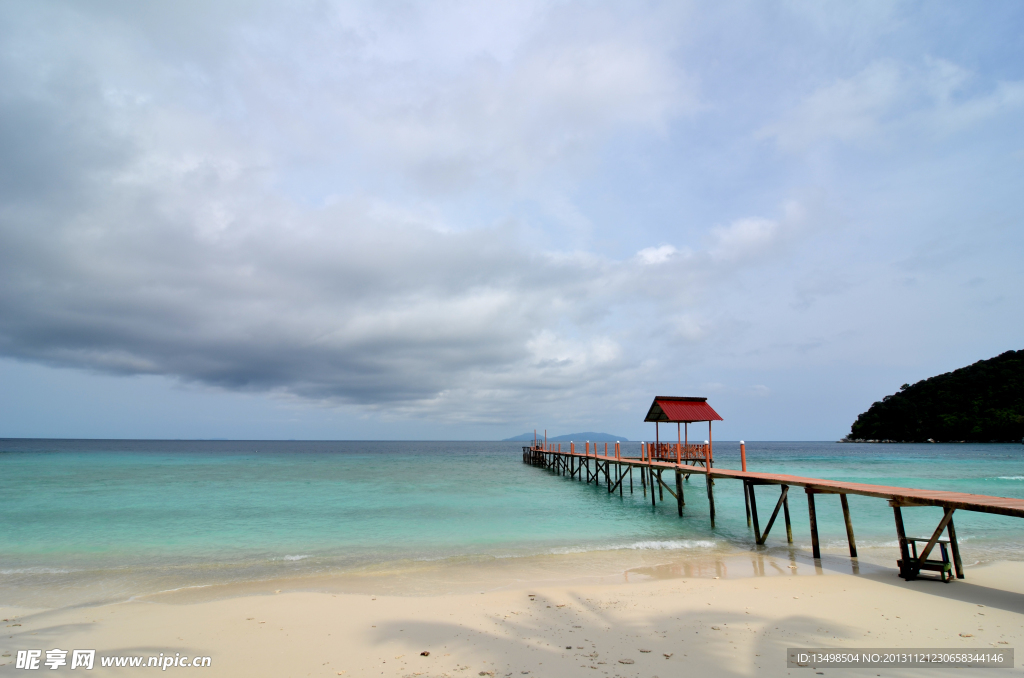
(982, 402)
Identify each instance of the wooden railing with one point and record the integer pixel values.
(677, 452)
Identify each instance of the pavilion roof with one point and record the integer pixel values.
(681, 409)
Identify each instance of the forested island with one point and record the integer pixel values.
(983, 402)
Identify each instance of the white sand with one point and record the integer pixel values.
(671, 627)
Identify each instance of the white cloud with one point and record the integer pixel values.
(656, 255)
(888, 98)
(751, 237)
(847, 110)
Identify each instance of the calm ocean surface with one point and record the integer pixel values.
(87, 521)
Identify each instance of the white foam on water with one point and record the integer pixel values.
(1010, 478)
(174, 590)
(671, 544)
(295, 557)
(650, 545)
(37, 570)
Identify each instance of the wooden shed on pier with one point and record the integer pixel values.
(681, 411)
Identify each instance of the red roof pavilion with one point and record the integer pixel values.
(681, 410)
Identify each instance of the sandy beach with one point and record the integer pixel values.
(654, 627)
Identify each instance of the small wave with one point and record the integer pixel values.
(671, 544)
(295, 557)
(1010, 478)
(36, 570)
(651, 545)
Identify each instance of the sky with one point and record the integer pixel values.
(467, 220)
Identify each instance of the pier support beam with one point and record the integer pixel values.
(901, 537)
(746, 501)
(849, 526)
(775, 514)
(753, 509)
(785, 512)
(815, 549)
(711, 496)
(679, 493)
(951, 533)
(650, 477)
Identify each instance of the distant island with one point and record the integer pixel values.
(983, 402)
(578, 437)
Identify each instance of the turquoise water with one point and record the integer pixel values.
(92, 520)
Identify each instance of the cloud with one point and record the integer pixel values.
(847, 110)
(888, 98)
(755, 237)
(656, 255)
(463, 212)
(233, 199)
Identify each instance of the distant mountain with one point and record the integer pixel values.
(983, 402)
(578, 437)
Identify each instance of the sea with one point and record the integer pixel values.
(87, 522)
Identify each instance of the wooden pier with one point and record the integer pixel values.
(590, 462)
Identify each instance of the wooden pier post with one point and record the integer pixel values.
(849, 526)
(785, 512)
(746, 501)
(775, 514)
(901, 536)
(815, 549)
(631, 479)
(679, 492)
(661, 492)
(711, 496)
(951, 533)
(650, 478)
(753, 510)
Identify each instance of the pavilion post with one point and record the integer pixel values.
(679, 445)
